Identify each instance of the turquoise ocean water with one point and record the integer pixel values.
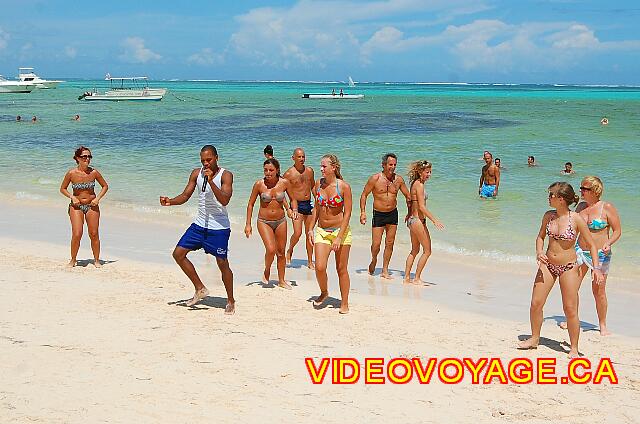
(148, 149)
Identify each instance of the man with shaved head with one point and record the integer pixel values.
(301, 179)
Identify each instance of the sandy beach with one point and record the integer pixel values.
(118, 344)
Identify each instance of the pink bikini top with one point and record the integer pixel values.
(568, 234)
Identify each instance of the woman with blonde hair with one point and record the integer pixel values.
(83, 205)
(419, 173)
(272, 223)
(604, 225)
(332, 213)
(560, 263)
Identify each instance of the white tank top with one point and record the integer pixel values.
(211, 213)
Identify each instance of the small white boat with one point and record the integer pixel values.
(332, 96)
(27, 75)
(8, 86)
(126, 89)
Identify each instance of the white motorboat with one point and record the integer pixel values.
(8, 86)
(27, 75)
(126, 88)
(332, 96)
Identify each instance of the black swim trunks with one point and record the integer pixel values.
(305, 207)
(380, 219)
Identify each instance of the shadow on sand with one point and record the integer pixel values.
(85, 262)
(209, 302)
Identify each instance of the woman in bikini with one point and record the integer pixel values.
(604, 225)
(559, 262)
(419, 173)
(84, 203)
(272, 224)
(332, 213)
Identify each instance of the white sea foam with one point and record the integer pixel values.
(23, 195)
(47, 181)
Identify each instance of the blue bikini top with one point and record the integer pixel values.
(598, 224)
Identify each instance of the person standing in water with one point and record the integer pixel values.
(489, 178)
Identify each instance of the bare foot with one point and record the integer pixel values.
(573, 354)
(419, 282)
(321, 299)
(407, 280)
(198, 296)
(97, 263)
(230, 309)
(265, 277)
(385, 274)
(604, 331)
(563, 325)
(288, 256)
(285, 285)
(528, 344)
(372, 268)
(310, 265)
(344, 309)
(71, 263)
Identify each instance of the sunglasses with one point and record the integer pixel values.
(585, 188)
(85, 157)
(552, 195)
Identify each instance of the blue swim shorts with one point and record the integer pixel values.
(487, 190)
(305, 207)
(214, 242)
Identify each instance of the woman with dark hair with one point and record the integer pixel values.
(268, 151)
(419, 173)
(332, 213)
(84, 203)
(272, 224)
(560, 263)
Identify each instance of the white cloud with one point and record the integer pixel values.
(575, 37)
(4, 38)
(70, 52)
(315, 33)
(475, 44)
(206, 57)
(494, 45)
(136, 52)
(321, 33)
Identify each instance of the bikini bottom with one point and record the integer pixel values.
(272, 223)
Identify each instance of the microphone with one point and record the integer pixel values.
(204, 184)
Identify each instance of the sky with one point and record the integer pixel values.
(508, 41)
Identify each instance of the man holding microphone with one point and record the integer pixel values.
(211, 228)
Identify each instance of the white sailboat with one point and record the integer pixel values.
(351, 83)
